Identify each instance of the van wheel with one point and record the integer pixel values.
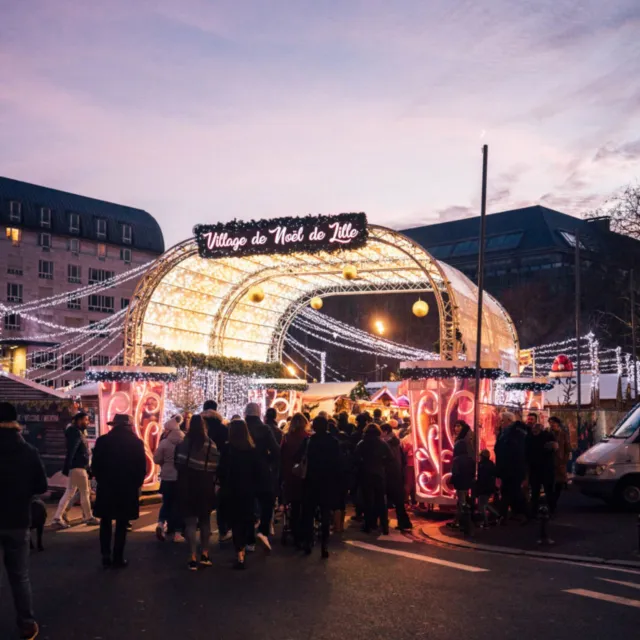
(628, 493)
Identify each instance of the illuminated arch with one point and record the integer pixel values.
(188, 303)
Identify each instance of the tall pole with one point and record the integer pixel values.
(634, 338)
(577, 305)
(483, 233)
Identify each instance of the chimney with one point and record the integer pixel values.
(601, 223)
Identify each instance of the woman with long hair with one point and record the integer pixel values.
(463, 467)
(197, 462)
(292, 486)
(240, 478)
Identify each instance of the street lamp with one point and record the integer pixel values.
(291, 369)
(379, 327)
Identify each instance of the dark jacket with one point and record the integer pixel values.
(239, 475)
(511, 453)
(373, 456)
(268, 453)
(541, 455)
(395, 467)
(290, 454)
(119, 466)
(78, 455)
(276, 431)
(22, 476)
(486, 482)
(323, 470)
(463, 467)
(218, 432)
(197, 468)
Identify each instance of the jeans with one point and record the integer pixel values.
(169, 510)
(536, 483)
(267, 502)
(14, 546)
(512, 496)
(191, 525)
(375, 503)
(308, 515)
(78, 481)
(484, 508)
(119, 540)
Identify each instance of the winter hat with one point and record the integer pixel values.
(252, 409)
(8, 412)
(171, 425)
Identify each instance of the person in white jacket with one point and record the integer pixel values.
(164, 456)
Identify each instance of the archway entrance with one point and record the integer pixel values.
(195, 296)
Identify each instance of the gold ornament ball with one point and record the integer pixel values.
(420, 308)
(256, 294)
(349, 272)
(316, 303)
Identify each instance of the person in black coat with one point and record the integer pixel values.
(22, 477)
(511, 467)
(322, 482)
(485, 486)
(463, 468)
(271, 420)
(239, 474)
(373, 458)
(119, 467)
(395, 477)
(269, 456)
(541, 452)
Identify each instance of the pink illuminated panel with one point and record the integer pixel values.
(286, 403)
(144, 401)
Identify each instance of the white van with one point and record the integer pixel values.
(611, 469)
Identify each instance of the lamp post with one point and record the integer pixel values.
(379, 327)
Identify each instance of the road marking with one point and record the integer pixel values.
(80, 528)
(596, 595)
(416, 556)
(394, 537)
(633, 585)
(600, 567)
(149, 527)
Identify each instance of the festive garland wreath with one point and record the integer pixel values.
(529, 386)
(159, 357)
(129, 376)
(280, 386)
(420, 373)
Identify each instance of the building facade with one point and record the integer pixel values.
(55, 243)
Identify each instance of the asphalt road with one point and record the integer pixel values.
(368, 589)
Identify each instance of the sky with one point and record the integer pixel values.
(201, 111)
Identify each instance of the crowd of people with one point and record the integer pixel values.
(528, 459)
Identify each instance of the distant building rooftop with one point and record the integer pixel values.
(146, 232)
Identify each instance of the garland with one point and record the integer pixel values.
(129, 376)
(246, 228)
(419, 373)
(159, 357)
(281, 386)
(359, 392)
(529, 386)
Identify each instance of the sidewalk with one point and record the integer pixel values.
(583, 530)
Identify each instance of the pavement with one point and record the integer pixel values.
(372, 587)
(583, 529)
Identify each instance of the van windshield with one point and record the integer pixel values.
(628, 426)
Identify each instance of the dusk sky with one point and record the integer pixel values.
(203, 110)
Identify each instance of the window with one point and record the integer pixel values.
(440, 252)
(466, 248)
(73, 273)
(74, 245)
(102, 251)
(100, 275)
(44, 359)
(124, 303)
(45, 217)
(104, 304)
(14, 292)
(73, 303)
(99, 361)
(126, 233)
(15, 235)
(98, 328)
(125, 255)
(570, 238)
(14, 270)
(15, 211)
(45, 269)
(74, 223)
(71, 361)
(503, 242)
(44, 240)
(12, 322)
(101, 228)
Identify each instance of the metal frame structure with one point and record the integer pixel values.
(389, 263)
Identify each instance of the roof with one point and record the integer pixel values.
(16, 389)
(146, 232)
(528, 229)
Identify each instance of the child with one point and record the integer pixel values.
(486, 486)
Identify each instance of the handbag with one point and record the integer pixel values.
(299, 469)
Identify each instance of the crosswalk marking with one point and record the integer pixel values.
(586, 593)
(632, 585)
(416, 556)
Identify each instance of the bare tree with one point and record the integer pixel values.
(623, 207)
